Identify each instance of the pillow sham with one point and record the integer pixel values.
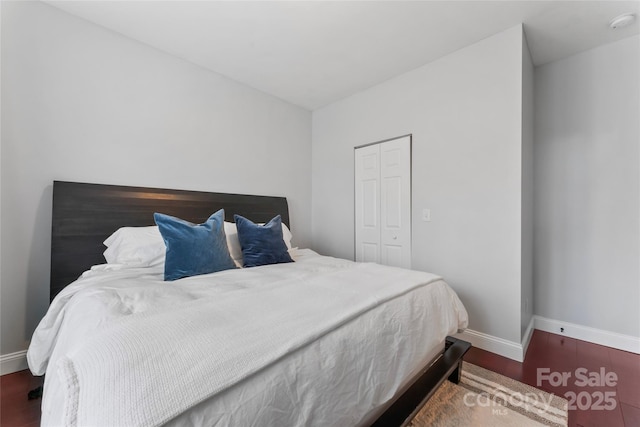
(261, 244)
(135, 246)
(193, 249)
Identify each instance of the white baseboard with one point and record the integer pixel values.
(13, 362)
(517, 351)
(509, 349)
(586, 333)
(526, 339)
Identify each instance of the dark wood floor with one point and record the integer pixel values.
(555, 352)
(15, 409)
(562, 354)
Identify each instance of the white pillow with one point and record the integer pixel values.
(233, 242)
(231, 231)
(286, 236)
(135, 246)
(144, 246)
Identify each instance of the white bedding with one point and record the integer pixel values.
(343, 362)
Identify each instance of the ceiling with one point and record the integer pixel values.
(313, 53)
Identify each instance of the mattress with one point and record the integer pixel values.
(340, 373)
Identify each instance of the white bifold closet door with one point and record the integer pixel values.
(383, 202)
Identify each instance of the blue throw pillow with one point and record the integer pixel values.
(194, 249)
(261, 244)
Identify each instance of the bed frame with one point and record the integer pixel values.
(84, 215)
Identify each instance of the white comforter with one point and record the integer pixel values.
(122, 347)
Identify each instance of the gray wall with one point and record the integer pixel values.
(464, 111)
(528, 109)
(586, 189)
(81, 103)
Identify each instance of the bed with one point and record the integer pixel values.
(319, 341)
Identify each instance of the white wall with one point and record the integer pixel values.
(586, 263)
(464, 111)
(80, 103)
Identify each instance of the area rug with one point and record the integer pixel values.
(484, 398)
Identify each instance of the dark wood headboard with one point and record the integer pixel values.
(84, 215)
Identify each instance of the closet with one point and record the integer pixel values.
(383, 202)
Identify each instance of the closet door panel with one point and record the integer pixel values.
(395, 202)
(367, 194)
